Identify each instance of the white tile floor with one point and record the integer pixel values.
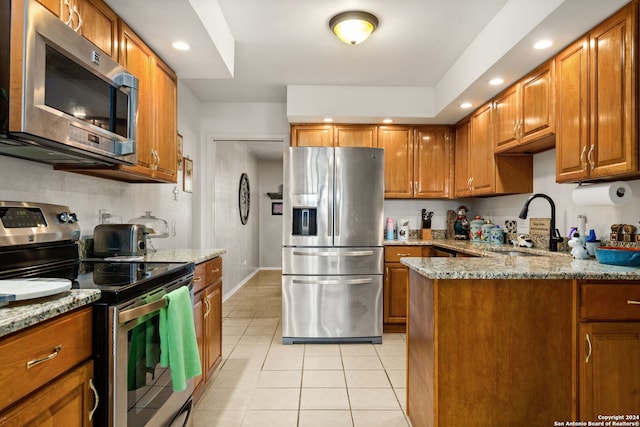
(262, 382)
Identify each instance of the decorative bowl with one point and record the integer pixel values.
(618, 256)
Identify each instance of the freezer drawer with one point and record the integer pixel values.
(331, 308)
(327, 261)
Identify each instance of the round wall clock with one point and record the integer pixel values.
(243, 198)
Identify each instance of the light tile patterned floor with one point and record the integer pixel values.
(262, 382)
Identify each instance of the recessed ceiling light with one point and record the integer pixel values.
(387, 121)
(327, 120)
(543, 44)
(497, 81)
(466, 105)
(181, 46)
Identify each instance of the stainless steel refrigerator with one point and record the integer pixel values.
(332, 259)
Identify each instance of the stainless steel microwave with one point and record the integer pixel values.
(62, 100)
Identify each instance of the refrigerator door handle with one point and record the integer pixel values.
(332, 282)
(330, 253)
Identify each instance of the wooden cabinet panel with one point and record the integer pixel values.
(433, 162)
(69, 334)
(572, 103)
(198, 321)
(165, 122)
(609, 302)
(481, 161)
(394, 253)
(312, 135)
(67, 401)
(609, 364)
(52, 5)
(462, 178)
(99, 25)
(597, 102)
(506, 118)
(355, 136)
(397, 142)
(213, 328)
(613, 55)
(396, 282)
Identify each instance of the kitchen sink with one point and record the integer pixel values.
(517, 253)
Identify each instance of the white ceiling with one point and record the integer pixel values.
(440, 52)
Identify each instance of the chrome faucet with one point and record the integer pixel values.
(554, 234)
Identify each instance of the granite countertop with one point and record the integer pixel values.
(471, 248)
(183, 255)
(22, 314)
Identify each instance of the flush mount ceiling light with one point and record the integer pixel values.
(542, 44)
(353, 27)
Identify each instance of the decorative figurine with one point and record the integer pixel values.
(578, 251)
(461, 226)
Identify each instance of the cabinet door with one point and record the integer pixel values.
(396, 283)
(99, 25)
(355, 136)
(609, 361)
(54, 6)
(198, 320)
(312, 135)
(481, 160)
(613, 52)
(537, 107)
(165, 129)
(432, 163)
(66, 401)
(462, 179)
(137, 58)
(506, 119)
(213, 328)
(397, 142)
(572, 115)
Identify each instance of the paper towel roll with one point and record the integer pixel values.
(607, 194)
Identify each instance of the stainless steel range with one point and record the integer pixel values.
(39, 240)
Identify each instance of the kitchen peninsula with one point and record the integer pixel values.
(521, 340)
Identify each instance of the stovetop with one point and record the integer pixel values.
(121, 281)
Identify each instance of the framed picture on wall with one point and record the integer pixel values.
(276, 208)
(187, 177)
(179, 151)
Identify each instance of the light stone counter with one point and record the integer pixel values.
(183, 255)
(22, 314)
(501, 266)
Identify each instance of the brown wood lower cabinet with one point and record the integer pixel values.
(396, 284)
(609, 350)
(207, 312)
(490, 352)
(58, 390)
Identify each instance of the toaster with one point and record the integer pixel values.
(119, 240)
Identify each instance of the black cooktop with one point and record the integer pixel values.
(121, 281)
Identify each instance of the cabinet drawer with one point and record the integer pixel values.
(200, 277)
(394, 253)
(609, 302)
(70, 333)
(214, 270)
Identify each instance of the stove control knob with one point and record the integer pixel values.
(73, 218)
(63, 217)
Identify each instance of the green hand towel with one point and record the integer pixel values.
(178, 345)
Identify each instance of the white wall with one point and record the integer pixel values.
(270, 177)
(598, 218)
(239, 240)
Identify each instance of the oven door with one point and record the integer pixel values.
(143, 391)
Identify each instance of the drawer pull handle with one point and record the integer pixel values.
(197, 279)
(217, 270)
(590, 348)
(403, 254)
(96, 398)
(35, 362)
(632, 302)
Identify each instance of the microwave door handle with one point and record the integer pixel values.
(130, 81)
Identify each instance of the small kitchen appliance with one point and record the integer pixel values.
(119, 240)
(39, 240)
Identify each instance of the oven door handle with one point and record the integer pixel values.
(134, 313)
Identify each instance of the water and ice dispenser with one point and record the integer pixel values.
(305, 221)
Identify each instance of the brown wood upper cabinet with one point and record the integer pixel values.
(91, 18)
(596, 84)
(524, 114)
(417, 161)
(477, 171)
(316, 135)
